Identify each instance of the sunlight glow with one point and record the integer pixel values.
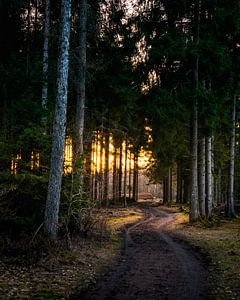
(68, 156)
(14, 164)
(35, 160)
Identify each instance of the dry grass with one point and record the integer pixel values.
(124, 217)
(219, 241)
(62, 273)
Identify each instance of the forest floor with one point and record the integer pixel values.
(158, 256)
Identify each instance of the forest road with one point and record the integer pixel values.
(154, 265)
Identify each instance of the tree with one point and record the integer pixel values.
(81, 85)
(230, 196)
(202, 178)
(59, 127)
(45, 57)
(194, 209)
(209, 196)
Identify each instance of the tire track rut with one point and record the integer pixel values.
(152, 266)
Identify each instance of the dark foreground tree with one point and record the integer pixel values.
(59, 127)
(230, 197)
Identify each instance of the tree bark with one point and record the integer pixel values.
(59, 127)
(36, 19)
(120, 172)
(45, 59)
(179, 183)
(209, 198)
(185, 190)
(101, 171)
(96, 179)
(135, 178)
(194, 168)
(130, 177)
(219, 194)
(169, 192)
(106, 171)
(230, 197)
(114, 172)
(194, 207)
(125, 174)
(202, 178)
(81, 87)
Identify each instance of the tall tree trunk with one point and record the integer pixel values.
(120, 172)
(45, 59)
(96, 185)
(230, 197)
(164, 190)
(135, 178)
(202, 178)
(194, 207)
(186, 190)
(101, 169)
(130, 177)
(194, 167)
(36, 19)
(92, 167)
(179, 183)
(213, 178)
(209, 199)
(81, 86)
(169, 187)
(125, 174)
(219, 194)
(28, 38)
(59, 127)
(106, 171)
(114, 172)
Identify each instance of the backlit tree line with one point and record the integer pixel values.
(96, 83)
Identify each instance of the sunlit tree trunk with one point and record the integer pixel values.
(202, 178)
(96, 179)
(59, 127)
(209, 198)
(114, 172)
(135, 178)
(45, 59)
(101, 169)
(120, 172)
(130, 176)
(106, 171)
(87, 177)
(125, 174)
(230, 197)
(93, 166)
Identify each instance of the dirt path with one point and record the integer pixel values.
(153, 265)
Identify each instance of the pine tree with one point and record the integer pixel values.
(45, 57)
(230, 196)
(59, 127)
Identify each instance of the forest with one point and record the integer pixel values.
(119, 149)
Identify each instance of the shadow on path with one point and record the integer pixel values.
(152, 266)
